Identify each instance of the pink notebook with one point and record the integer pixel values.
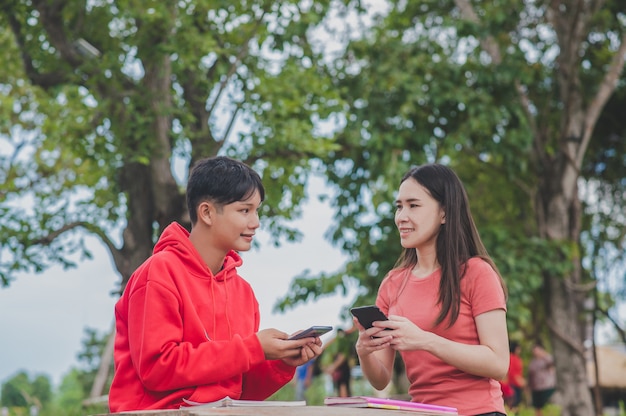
(380, 403)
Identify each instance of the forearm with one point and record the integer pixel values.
(479, 360)
(375, 370)
(185, 365)
(265, 379)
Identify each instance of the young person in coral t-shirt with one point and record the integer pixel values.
(445, 300)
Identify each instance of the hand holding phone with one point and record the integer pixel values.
(367, 315)
(314, 331)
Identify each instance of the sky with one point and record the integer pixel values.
(44, 315)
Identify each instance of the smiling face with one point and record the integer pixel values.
(418, 216)
(236, 223)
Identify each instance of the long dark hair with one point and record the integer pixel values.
(458, 238)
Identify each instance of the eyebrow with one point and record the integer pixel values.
(408, 200)
(249, 204)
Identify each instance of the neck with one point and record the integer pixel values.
(212, 257)
(426, 263)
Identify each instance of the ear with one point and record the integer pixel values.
(443, 215)
(206, 213)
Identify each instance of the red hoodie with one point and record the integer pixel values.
(182, 332)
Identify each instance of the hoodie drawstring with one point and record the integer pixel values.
(213, 281)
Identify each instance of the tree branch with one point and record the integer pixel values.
(616, 325)
(607, 87)
(488, 43)
(490, 46)
(50, 14)
(234, 65)
(565, 338)
(44, 80)
(93, 229)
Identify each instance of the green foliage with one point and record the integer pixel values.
(107, 105)
(420, 88)
(12, 390)
(22, 391)
(482, 87)
(71, 391)
(90, 357)
(69, 397)
(549, 410)
(604, 234)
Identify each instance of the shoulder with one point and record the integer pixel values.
(477, 270)
(162, 261)
(478, 265)
(139, 279)
(483, 285)
(390, 285)
(394, 277)
(161, 267)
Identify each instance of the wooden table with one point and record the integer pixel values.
(270, 411)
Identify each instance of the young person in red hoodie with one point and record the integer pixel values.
(187, 325)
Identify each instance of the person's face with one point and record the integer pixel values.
(236, 224)
(418, 215)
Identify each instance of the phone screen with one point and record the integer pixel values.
(368, 315)
(314, 331)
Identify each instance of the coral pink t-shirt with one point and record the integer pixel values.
(432, 380)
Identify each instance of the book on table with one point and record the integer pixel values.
(229, 402)
(381, 403)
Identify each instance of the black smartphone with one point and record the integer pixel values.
(314, 331)
(368, 314)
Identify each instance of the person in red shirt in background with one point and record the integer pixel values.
(507, 391)
(515, 378)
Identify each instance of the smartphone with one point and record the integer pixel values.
(314, 331)
(368, 314)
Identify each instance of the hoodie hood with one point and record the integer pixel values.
(175, 239)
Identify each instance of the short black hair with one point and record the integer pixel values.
(221, 180)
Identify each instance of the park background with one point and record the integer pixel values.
(102, 102)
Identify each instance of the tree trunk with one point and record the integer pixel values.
(105, 364)
(569, 353)
(559, 216)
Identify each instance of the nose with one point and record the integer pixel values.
(255, 222)
(400, 217)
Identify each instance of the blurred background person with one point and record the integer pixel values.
(515, 378)
(541, 378)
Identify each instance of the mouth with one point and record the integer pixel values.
(247, 236)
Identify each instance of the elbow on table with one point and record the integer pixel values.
(379, 384)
